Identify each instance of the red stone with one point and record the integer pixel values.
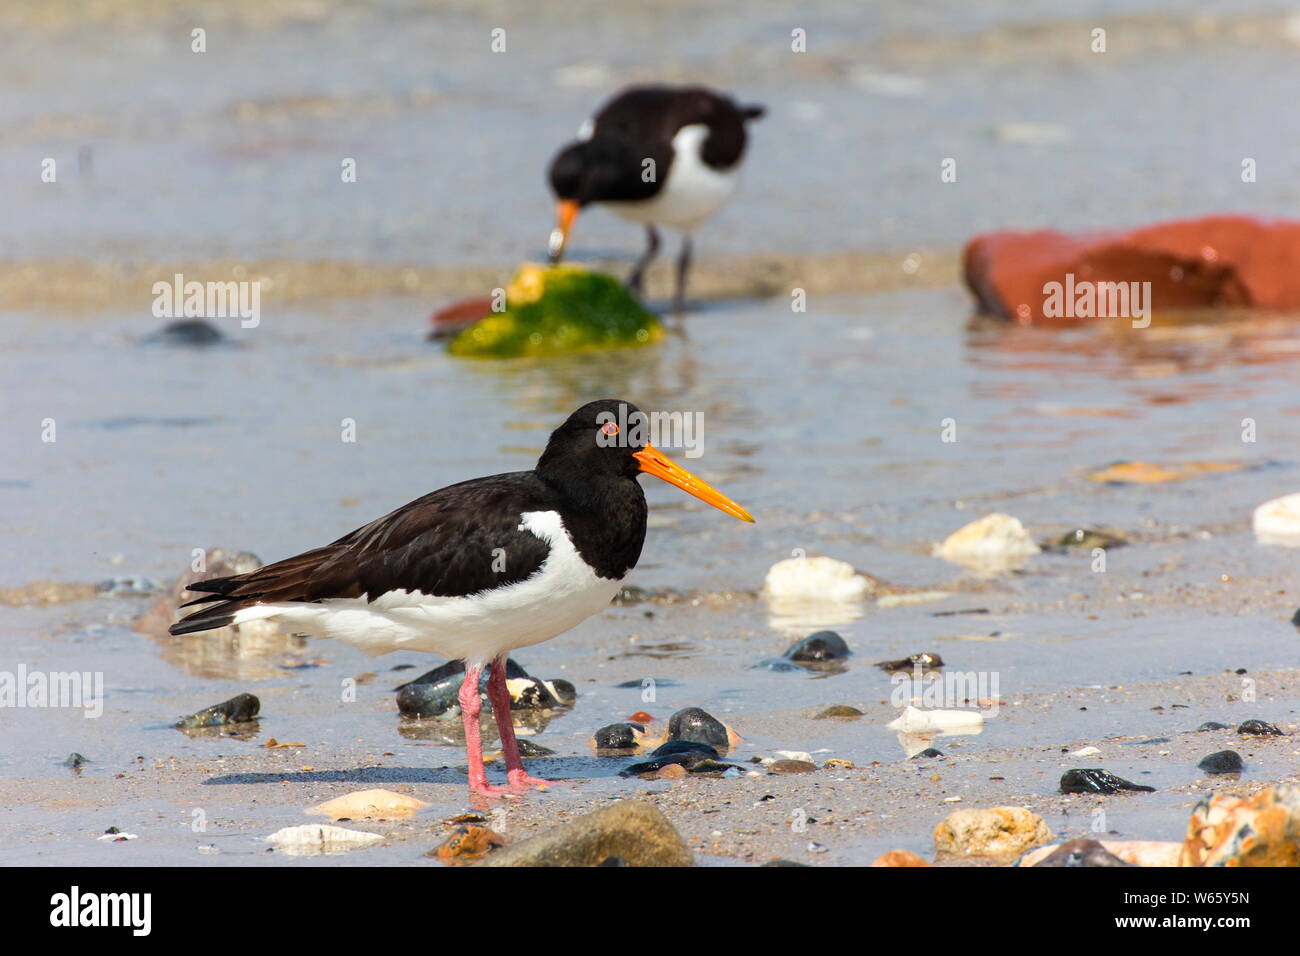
(1216, 260)
(459, 315)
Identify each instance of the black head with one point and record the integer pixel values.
(598, 440)
(605, 168)
(608, 441)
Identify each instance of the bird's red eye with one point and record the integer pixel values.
(609, 428)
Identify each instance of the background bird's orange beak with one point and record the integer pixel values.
(654, 463)
(566, 210)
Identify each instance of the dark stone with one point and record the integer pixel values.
(1082, 853)
(908, 664)
(617, 737)
(239, 709)
(684, 747)
(1259, 728)
(529, 749)
(1096, 780)
(927, 752)
(1086, 539)
(838, 710)
(822, 646)
(563, 691)
(187, 332)
(76, 761)
(1223, 761)
(1212, 725)
(711, 766)
(693, 723)
(437, 692)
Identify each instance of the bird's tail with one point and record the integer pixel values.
(220, 610)
(752, 112)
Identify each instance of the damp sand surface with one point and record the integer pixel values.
(827, 425)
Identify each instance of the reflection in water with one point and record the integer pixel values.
(450, 729)
(794, 616)
(1194, 340)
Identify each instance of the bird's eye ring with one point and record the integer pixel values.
(609, 428)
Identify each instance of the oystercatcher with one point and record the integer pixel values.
(477, 569)
(660, 155)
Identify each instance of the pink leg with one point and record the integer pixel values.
(500, 696)
(470, 705)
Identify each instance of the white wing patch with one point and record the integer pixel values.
(693, 191)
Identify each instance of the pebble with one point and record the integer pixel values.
(467, 843)
(1262, 830)
(838, 710)
(1081, 853)
(1259, 728)
(800, 755)
(694, 723)
(899, 858)
(1085, 752)
(1096, 780)
(617, 737)
(321, 839)
(924, 660)
(820, 578)
(632, 830)
(373, 804)
(1212, 725)
(186, 332)
(916, 721)
(239, 709)
(821, 646)
(1088, 538)
(1278, 521)
(928, 752)
(996, 541)
(1223, 761)
(999, 833)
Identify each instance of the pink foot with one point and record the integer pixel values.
(521, 780)
(491, 790)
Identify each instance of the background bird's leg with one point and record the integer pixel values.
(683, 267)
(499, 694)
(634, 281)
(470, 706)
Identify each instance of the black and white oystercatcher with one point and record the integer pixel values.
(477, 569)
(660, 155)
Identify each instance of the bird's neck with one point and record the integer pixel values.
(606, 518)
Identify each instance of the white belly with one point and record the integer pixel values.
(692, 193)
(559, 595)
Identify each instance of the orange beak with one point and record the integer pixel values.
(566, 210)
(654, 463)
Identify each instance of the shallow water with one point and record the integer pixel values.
(826, 424)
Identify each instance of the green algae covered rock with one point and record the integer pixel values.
(556, 310)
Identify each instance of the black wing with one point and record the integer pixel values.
(654, 114)
(458, 540)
